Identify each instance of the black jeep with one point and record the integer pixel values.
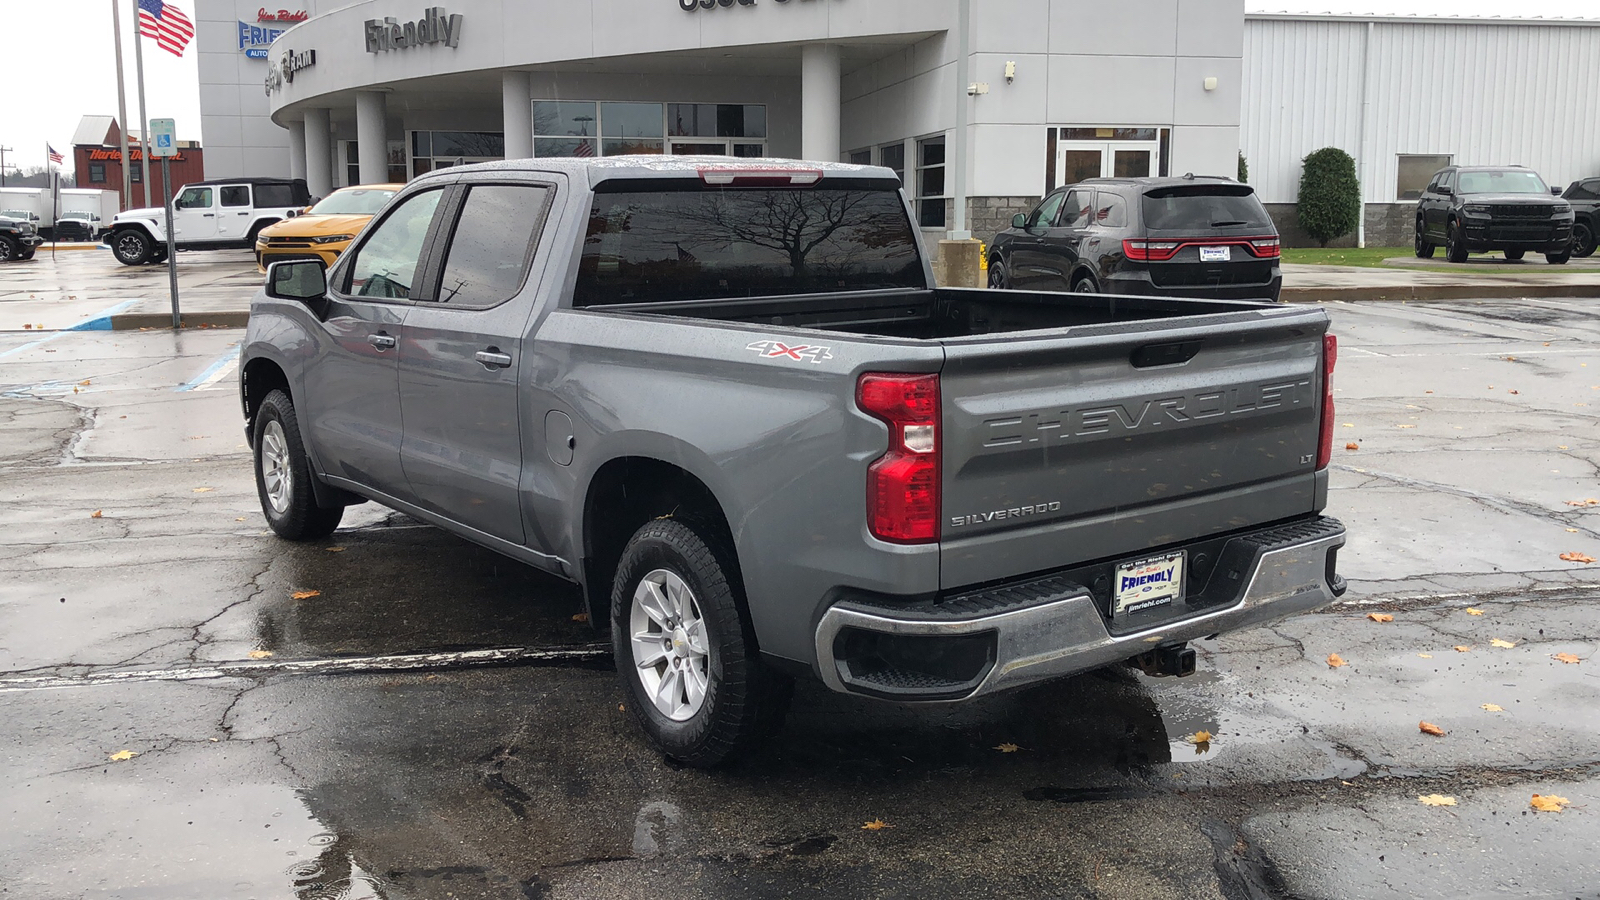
(18, 239)
(1508, 208)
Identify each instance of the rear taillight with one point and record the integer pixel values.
(1330, 355)
(1267, 248)
(903, 483)
(1148, 250)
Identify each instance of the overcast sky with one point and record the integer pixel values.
(61, 49)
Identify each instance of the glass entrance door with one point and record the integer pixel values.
(1077, 160)
(742, 149)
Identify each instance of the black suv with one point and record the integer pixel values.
(1585, 199)
(1506, 208)
(18, 240)
(1167, 237)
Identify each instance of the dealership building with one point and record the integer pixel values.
(1031, 95)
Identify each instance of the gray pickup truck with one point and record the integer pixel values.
(726, 398)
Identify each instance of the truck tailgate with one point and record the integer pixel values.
(1082, 444)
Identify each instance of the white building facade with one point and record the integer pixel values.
(387, 89)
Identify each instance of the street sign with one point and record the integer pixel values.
(163, 138)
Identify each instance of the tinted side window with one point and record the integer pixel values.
(1078, 209)
(694, 243)
(1585, 190)
(1045, 215)
(492, 245)
(385, 265)
(1447, 180)
(235, 195)
(194, 198)
(1111, 211)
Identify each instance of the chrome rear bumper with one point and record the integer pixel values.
(1050, 627)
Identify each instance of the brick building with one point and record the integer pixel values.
(97, 162)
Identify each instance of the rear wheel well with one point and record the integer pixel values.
(628, 492)
(256, 228)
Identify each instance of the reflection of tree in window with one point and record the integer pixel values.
(386, 264)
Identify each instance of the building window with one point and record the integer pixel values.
(565, 128)
(352, 163)
(1414, 171)
(442, 149)
(861, 157)
(97, 173)
(137, 171)
(930, 182)
(589, 128)
(893, 157)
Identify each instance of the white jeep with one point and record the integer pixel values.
(207, 215)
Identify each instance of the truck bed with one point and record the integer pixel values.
(940, 314)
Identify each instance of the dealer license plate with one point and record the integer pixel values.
(1215, 254)
(1148, 583)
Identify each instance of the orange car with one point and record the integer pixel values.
(326, 229)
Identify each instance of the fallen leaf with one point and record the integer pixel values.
(1352, 446)
(1572, 531)
(879, 824)
(1426, 655)
(1199, 737)
(1577, 557)
(334, 549)
(1587, 501)
(1490, 707)
(1545, 803)
(1568, 658)
(1462, 649)
(240, 519)
(305, 595)
(1405, 426)
(1511, 359)
(83, 383)
(27, 326)
(1427, 392)
(1380, 617)
(1007, 747)
(1514, 392)
(1504, 645)
(1349, 424)
(1471, 611)
(1436, 800)
(260, 654)
(203, 490)
(96, 514)
(1430, 728)
(581, 617)
(125, 755)
(1335, 661)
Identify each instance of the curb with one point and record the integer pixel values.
(139, 321)
(1436, 292)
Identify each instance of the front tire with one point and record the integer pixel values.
(1456, 242)
(1583, 240)
(999, 278)
(685, 650)
(1558, 259)
(1420, 245)
(8, 249)
(131, 247)
(283, 475)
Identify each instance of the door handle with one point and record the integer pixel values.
(381, 341)
(208, 215)
(492, 358)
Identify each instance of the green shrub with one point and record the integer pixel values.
(1244, 169)
(1330, 195)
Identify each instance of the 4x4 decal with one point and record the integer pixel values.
(799, 352)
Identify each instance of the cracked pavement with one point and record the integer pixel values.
(433, 723)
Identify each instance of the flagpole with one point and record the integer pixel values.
(122, 104)
(144, 123)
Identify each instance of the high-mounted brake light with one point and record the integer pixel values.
(772, 177)
(903, 483)
(1330, 356)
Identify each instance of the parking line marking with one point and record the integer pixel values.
(218, 370)
(466, 659)
(89, 324)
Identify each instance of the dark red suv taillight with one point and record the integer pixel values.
(1266, 247)
(903, 483)
(1330, 355)
(1151, 250)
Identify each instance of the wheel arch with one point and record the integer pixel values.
(623, 494)
(261, 223)
(261, 376)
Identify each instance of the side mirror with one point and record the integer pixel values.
(1556, 191)
(1020, 220)
(297, 279)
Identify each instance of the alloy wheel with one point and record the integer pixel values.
(670, 652)
(276, 475)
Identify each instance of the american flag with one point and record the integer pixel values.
(54, 156)
(584, 149)
(166, 23)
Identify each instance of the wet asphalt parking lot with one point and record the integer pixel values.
(396, 713)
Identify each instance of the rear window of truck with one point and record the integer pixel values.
(694, 242)
(1203, 206)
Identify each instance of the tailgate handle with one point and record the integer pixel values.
(1164, 354)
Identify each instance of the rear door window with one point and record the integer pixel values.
(235, 195)
(1110, 210)
(683, 241)
(1202, 207)
(493, 244)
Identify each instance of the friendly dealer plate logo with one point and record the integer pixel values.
(1148, 583)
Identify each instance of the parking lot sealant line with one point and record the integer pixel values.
(505, 656)
(213, 373)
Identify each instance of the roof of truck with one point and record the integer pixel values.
(611, 168)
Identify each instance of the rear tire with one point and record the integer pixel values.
(283, 475)
(1515, 255)
(1085, 285)
(685, 649)
(131, 247)
(1420, 245)
(1583, 240)
(1456, 243)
